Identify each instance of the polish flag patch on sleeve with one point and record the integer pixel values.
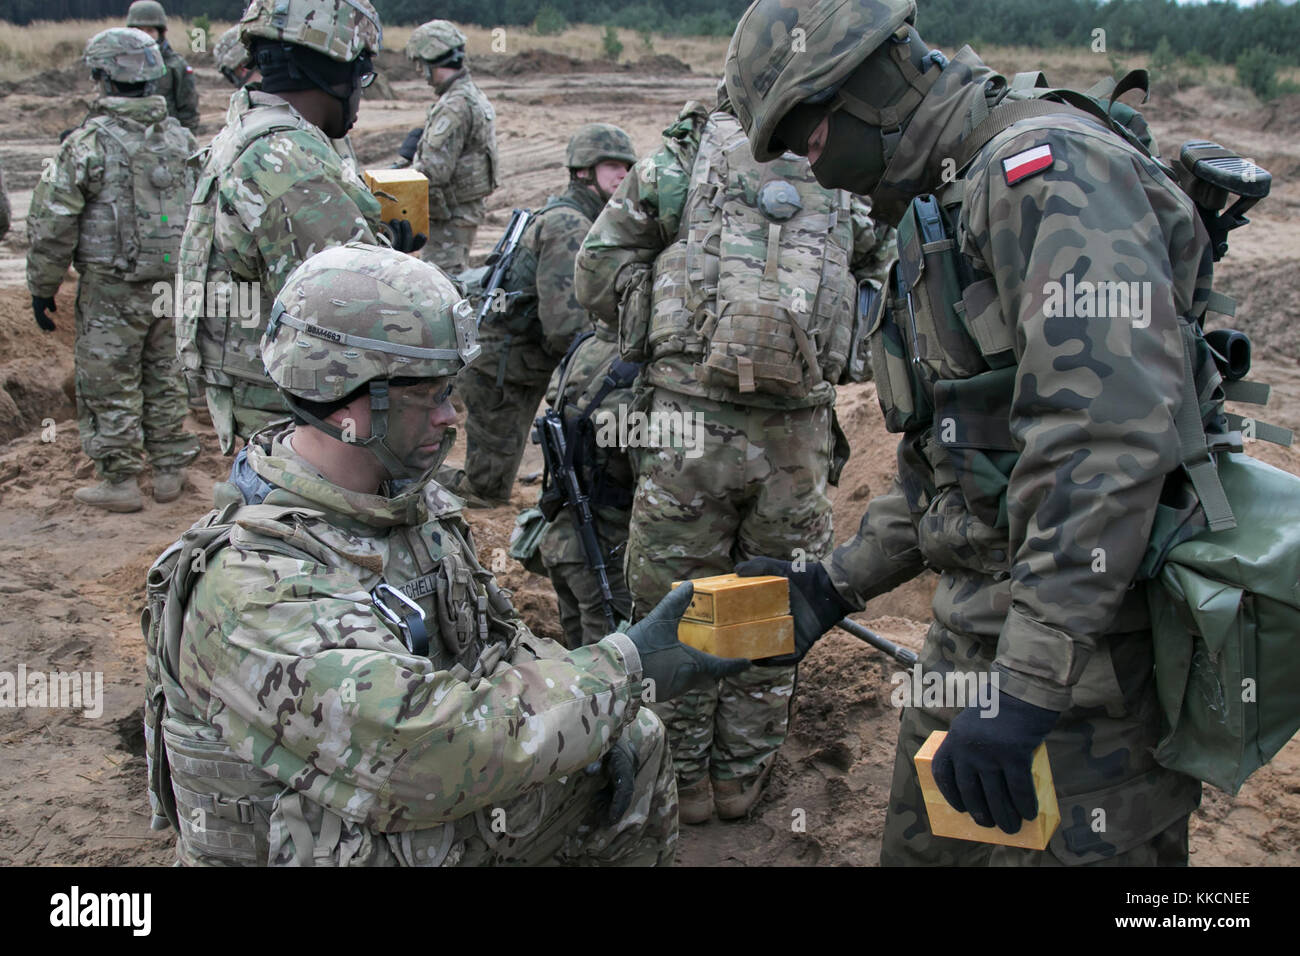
(1023, 165)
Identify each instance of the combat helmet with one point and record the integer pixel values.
(124, 55)
(436, 41)
(596, 142)
(146, 13)
(786, 52)
(357, 315)
(340, 29)
(230, 55)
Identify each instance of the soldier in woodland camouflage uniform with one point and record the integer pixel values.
(523, 343)
(458, 151)
(607, 478)
(746, 331)
(344, 683)
(113, 204)
(273, 190)
(1034, 445)
(177, 86)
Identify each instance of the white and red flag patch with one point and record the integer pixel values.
(1023, 165)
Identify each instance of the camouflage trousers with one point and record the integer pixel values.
(499, 418)
(241, 409)
(1118, 806)
(566, 821)
(130, 394)
(448, 246)
(577, 589)
(756, 487)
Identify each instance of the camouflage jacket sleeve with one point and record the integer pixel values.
(559, 236)
(288, 661)
(284, 200)
(187, 95)
(882, 555)
(445, 133)
(1095, 397)
(874, 243)
(75, 174)
(639, 222)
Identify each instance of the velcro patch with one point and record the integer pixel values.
(1023, 165)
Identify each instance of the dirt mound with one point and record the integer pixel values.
(68, 79)
(1268, 300)
(660, 63)
(1281, 115)
(541, 61)
(33, 364)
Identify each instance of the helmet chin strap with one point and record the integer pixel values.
(377, 443)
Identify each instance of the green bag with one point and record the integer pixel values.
(1225, 614)
(525, 537)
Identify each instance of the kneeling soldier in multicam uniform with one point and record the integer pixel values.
(333, 678)
(113, 204)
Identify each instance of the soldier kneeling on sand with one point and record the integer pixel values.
(334, 679)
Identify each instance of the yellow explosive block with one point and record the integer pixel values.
(731, 616)
(402, 194)
(948, 822)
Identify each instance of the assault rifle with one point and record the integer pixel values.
(500, 260)
(560, 489)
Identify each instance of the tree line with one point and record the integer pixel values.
(1219, 30)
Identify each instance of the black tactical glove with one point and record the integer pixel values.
(409, 144)
(814, 603)
(620, 765)
(669, 666)
(403, 239)
(41, 305)
(982, 767)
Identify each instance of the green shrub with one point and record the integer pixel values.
(1257, 72)
(550, 21)
(613, 45)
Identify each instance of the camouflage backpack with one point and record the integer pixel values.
(758, 283)
(136, 222)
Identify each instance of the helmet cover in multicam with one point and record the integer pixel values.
(125, 55)
(146, 13)
(434, 40)
(360, 314)
(340, 29)
(785, 52)
(596, 142)
(229, 53)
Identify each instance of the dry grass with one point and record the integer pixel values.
(43, 45)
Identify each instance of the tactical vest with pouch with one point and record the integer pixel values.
(1224, 607)
(134, 225)
(228, 812)
(229, 348)
(757, 287)
(477, 170)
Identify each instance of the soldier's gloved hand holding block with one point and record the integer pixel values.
(670, 666)
(982, 767)
(403, 238)
(814, 603)
(41, 305)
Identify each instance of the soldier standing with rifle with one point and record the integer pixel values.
(590, 482)
(527, 328)
(177, 86)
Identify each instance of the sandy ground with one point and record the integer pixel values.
(72, 578)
